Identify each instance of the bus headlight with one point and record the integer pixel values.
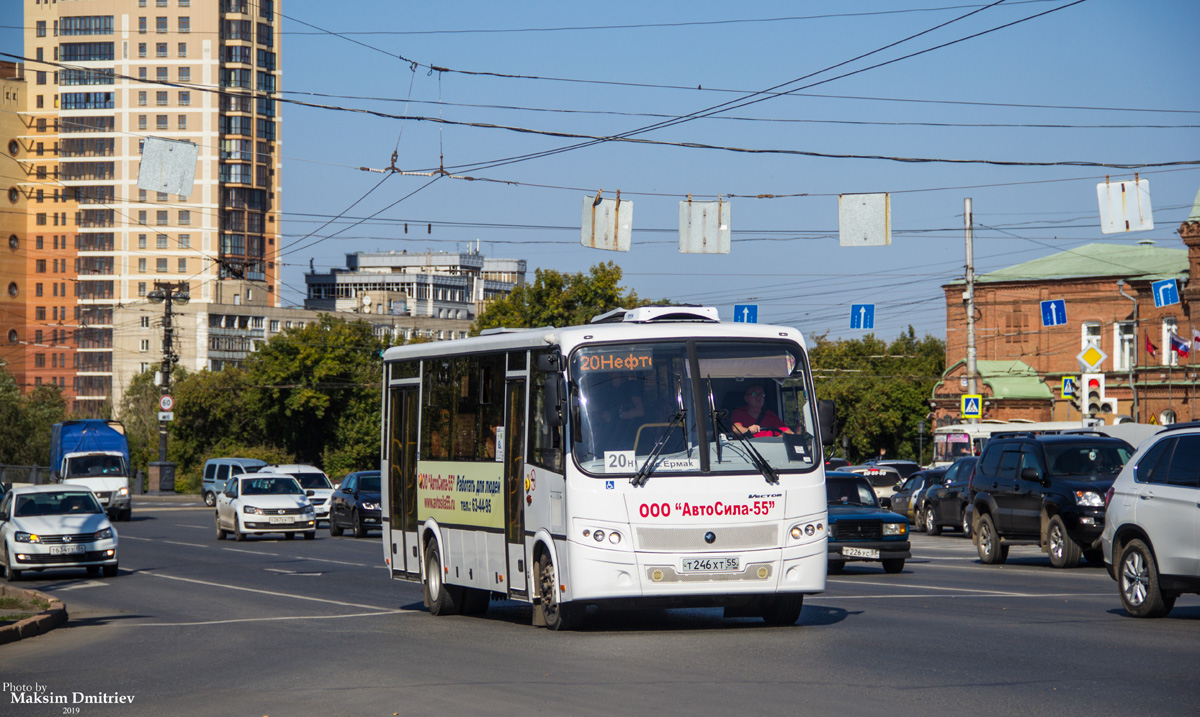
(806, 530)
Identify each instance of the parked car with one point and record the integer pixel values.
(834, 464)
(257, 503)
(1151, 525)
(1045, 490)
(945, 505)
(859, 529)
(883, 479)
(355, 504)
(55, 526)
(313, 480)
(911, 492)
(218, 470)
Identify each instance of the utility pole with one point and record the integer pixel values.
(167, 293)
(968, 220)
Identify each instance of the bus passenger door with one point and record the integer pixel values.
(400, 529)
(514, 486)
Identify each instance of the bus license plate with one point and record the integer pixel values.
(861, 553)
(279, 520)
(66, 549)
(706, 565)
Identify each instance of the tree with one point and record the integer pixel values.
(557, 299)
(25, 421)
(316, 391)
(881, 390)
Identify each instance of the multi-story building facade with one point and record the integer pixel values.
(102, 76)
(1110, 305)
(430, 295)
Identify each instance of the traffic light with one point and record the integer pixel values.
(1092, 388)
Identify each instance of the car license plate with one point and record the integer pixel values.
(861, 553)
(279, 519)
(706, 565)
(66, 549)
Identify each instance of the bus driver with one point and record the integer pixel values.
(754, 419)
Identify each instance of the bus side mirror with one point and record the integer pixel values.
(550, 364)
(827, 420)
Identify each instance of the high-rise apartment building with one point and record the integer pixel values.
(101, 76)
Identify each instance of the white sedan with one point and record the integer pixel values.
(55, 526)
(257, 503)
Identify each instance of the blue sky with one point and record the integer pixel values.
(1100, 81)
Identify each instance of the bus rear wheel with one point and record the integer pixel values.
(441, 598)
(558, 615)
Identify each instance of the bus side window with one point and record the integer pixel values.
(545, 440)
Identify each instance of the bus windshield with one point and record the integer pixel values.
(731, 407)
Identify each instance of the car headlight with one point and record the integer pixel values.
(370, 506)
(252, 510)
(104, 534)
(23, 537)
(309, 510)
(124, 491)
(1089, 499)
(895, 529)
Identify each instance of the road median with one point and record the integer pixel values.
(16, 620)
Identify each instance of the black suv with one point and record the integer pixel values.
(1044, 490)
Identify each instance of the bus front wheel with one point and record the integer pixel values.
(440, 597)
(558, 615)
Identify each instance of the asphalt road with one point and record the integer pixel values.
(193, 626)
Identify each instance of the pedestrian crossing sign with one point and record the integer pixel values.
(972, 405)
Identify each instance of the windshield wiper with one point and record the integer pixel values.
(756, 458)
(712, 415)
(643, 474)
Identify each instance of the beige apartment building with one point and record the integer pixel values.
(100, 77)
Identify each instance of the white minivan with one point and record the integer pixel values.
(218, 470)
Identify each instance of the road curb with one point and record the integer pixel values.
(39, 624)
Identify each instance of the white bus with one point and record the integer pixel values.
(966, 439)
(597, 464)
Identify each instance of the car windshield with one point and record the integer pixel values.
(313, 481)
(632, 401)
(368, 484)
(65, 503)
(849, 491)
(1086, 460)
(95, 465)
(271, 486)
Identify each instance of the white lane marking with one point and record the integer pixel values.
(253, 552)
(158, 509)
(265, 592)
(271, 619)
(189, 525)
(85, 584)
(926, 587)
(827, 596)
(291, 572)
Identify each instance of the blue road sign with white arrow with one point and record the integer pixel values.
(862, 316)
(745, 313)
(1166, 292)
(1054, 312)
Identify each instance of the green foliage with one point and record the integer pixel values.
(316, 390)
(309, 395)
(25, 421)
(881, 390)
(557, 299)
(139, 414)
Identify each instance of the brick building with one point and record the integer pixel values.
(1110, 306)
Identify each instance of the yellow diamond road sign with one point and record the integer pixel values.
(1091, 358)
